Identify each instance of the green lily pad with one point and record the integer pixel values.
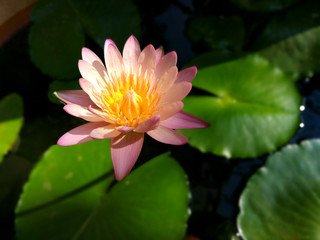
(115, 19)
(151, 203)
(282, 200)
(252, 106)
(56, 39)
(11, 118)
(264, 5)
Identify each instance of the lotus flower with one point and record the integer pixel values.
(137, 92)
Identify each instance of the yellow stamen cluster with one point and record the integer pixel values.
(129, 100)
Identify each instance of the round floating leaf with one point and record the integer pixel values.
(151, 203)
(264, 5)
(11, 118)
(115, 19)
(56, 39)
(282, 200)
(253, 109)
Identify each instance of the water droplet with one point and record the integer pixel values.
(302, 108)
(301, 125)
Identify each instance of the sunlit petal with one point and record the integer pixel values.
(168, 136)
(125, 150)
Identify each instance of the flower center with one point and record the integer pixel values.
(128, 100)
(131, 105)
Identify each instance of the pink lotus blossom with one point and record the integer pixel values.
(137, 92)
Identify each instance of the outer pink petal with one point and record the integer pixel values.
(105, 132)
(114, 62)
(124, 129)
(95, 74)
(79, 134)
(186, 75)
(168, 136)
(177, 92)
(90, 56)
(166, 62)
(88, 88)
(74, 96)
(106, 45)
(183, 120)
(99, 113)
(81, 112)
(159, 54)
(148, 125)
(167, 79)
(147, 61)
(131, 53)
(170, 109)
(125, 150)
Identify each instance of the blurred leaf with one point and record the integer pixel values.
(11, 118)
(253, 109)
(115, 19)
(56, 39)
(61, 203)
(217, 33)
(264, 5)
(299, 55)
(282, 200)
(283, 25)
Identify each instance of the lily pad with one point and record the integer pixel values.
(282, 200)
(56, 38)
(11, 118)
(252, 106)
(66, 198)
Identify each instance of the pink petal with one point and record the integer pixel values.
(106, 45)
(99, 113)
(159, 54)
(125, 150)
(89, 56)
(74, 96)
(81, 112)
(79, 134)
(170, 109)
(166, 62)
(167, 79)
(88, 88)
(94, 74)
(148, 125)
(131, 53)
(168, 136)
(124, 129)
(183, 120)
(177, 92)
(114, 62)
(186, 75)
(105, 132)
(147, 61)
